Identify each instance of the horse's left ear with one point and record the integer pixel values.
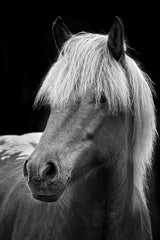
(116, 39)
(60, 32)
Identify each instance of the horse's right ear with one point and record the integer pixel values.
(116, 39)
(60, 32)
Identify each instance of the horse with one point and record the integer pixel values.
(84, 177)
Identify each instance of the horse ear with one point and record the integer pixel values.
(60, 32)
(116, 39)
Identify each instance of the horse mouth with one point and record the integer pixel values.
(45, 198)
(41, 195)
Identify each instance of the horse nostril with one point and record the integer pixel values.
(25, 171)
(49, 171)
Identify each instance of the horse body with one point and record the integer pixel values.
(84, 177)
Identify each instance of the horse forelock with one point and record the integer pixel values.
(86, 63)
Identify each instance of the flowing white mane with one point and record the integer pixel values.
(85, 62)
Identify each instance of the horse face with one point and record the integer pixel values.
(79, 141)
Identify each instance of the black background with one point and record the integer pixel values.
(27, 51)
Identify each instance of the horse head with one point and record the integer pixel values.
(72, 147)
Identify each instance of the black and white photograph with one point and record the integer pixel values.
(79, 121)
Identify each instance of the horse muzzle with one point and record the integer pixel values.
(45, 182)
(46, 192)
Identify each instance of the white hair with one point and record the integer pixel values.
(85, 62)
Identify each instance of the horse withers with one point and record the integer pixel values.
(85, 176)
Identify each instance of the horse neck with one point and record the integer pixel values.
(129, 219)
(83, 216)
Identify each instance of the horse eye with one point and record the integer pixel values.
(89, 136)
(103, 99)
